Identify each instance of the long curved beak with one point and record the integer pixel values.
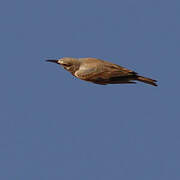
(53, 61)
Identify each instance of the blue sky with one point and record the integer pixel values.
(53, 126)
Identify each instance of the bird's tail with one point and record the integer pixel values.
(147, 80)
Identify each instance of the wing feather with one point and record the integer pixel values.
(92, 70)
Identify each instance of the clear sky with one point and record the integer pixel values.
(53, 126)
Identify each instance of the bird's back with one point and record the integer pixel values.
(104, 64)
(91, 60)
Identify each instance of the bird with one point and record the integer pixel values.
(100, 71)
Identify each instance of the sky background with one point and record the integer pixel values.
(53, 126)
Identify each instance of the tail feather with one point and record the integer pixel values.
(147, 80)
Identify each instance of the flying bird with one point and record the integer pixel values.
(99, 71)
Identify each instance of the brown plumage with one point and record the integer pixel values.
(101, 72)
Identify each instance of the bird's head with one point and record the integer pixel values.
(68, 63)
